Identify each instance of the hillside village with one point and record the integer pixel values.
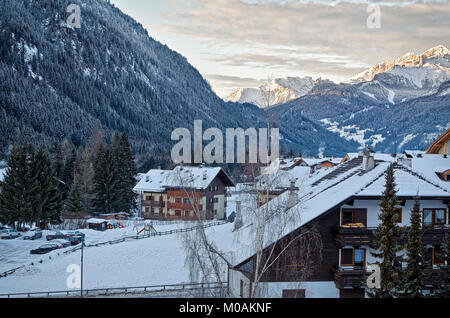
(307, 231)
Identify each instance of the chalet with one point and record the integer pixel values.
(342, 203)
(184, 192)
(440, 145)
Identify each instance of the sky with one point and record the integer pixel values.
(243, 43)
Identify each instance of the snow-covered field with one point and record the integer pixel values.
(152, 261)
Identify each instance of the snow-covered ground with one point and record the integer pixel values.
(152, 261)
(15, 253)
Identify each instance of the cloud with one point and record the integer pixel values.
(309, 37)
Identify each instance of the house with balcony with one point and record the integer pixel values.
(184, 193)
(342, 203)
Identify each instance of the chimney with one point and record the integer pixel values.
(147, 178)
(368, 161)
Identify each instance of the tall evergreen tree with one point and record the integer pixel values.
(84, 175)
(46, 192)
(415, 256)
(443, 290)
(14, 199)
(127, 172)
(386, 246)
(74, 203)
(106, 182)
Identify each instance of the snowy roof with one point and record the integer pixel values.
(283, 178)
(96, 221)
(191, 177)
(429, 165)
(376, 155)
(335, 187)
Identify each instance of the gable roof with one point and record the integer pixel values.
(438, 143)
(334, 189)
(189, 177)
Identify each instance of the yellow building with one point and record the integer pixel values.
(440, 146)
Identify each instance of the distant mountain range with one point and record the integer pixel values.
(390, 107)
(56, 82)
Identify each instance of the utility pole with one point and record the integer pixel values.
(82, 248)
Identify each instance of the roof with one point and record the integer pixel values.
(326, 191)
(96, 221)
(189, 177)
(438, 143)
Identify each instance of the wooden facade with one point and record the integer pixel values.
(333, 265)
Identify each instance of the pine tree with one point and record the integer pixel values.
(386, 246)
(127, 175)
(46, 192)
(107, 191)
(443, 290)
(84, 175)
(14, 203)
(74, 203)
(414, 273)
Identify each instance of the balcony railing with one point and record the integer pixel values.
(153, 204)
(349, 278)
(357, 278)
(365, 236)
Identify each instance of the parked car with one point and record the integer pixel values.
(55, 236)
(9, 234)
(33, 234)
(47, 248)
(63, 243)
(75, 233)
(75, 240)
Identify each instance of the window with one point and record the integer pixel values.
(353, 257)
(447, 177)
(177, 213)
(177, 200)
(347, 217)
(432, 217)
(215, 212)
(201, 207)
(216, 200)
(186, 201)
(354, 216)
(360, 258)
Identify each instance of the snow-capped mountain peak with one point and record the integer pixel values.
(409, 76)
(277, 91)
(438, 56)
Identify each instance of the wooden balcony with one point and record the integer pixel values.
(366, 237)
(180, 206)
(153, 204)
(357, 278)
(349, 278)
(354, 236)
